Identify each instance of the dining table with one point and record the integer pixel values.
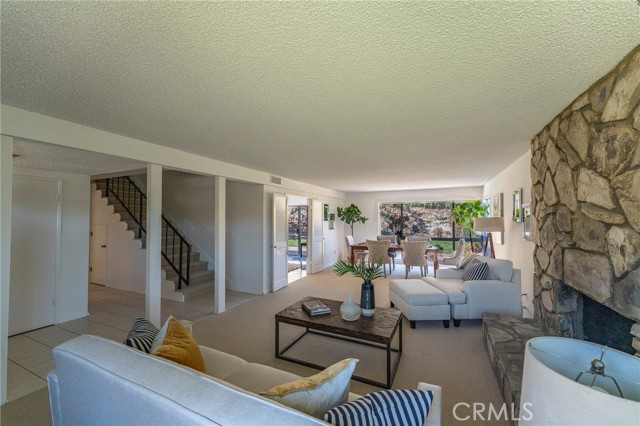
(431, 251)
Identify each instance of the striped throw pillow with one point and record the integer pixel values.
(141, 335)
(476, 271)
(405, 407)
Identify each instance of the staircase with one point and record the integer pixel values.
(185, 275)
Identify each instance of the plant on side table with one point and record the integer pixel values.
(464, 213)
(368, 273)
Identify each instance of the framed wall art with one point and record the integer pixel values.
(526, 222)
(497, 210)
(517, 205)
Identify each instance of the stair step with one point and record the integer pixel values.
(197, 290)
(194, 278)
(195, 266)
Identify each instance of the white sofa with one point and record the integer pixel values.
(103, 382)
(498, 294)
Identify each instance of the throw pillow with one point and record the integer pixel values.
(141, 335)
(476, 271)
(385, 408)
(188, 325)
(316, 394)
(179, 346)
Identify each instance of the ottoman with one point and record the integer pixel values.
(419, 301)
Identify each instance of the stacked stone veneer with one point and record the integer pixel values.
(586, 203)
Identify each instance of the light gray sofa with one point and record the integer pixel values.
(498, 294)
(103, 382)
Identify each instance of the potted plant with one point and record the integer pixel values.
(351, 215)
(464, 213)
(368, 273)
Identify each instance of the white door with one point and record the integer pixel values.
(98, 254)
(315, 259)
(280, 238)
(34, 248)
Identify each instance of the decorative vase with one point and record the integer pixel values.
(367, 299)
(350, 311)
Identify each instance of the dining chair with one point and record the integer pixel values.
(360, 255)
(393, 240)
(379, 254)
(414, 255)
(419, 237)
(456, 257)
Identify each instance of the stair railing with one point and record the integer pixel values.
(134, 201)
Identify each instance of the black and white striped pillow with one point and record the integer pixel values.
(476, 271)
(385, 408)
(141, 335)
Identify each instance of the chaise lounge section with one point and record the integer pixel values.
(428, 298)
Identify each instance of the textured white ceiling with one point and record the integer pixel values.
(44, 156)
(347, 95)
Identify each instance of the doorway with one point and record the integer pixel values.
(298, 231)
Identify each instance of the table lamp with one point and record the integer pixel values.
(488, 224)
(570, 382)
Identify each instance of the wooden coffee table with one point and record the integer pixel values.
(377, 331)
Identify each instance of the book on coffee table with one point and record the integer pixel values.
(315, 307)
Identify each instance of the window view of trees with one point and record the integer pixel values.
(431, 218)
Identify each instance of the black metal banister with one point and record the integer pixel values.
(133, 200)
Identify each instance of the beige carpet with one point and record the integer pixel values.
(453, 358)
(30, 410)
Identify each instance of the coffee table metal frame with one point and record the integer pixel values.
(312, 327)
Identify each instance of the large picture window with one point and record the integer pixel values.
(431, 218)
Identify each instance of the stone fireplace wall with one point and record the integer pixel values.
(585, 172)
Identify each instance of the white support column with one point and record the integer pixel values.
(154, 243)
(6, 177)
(220, 243)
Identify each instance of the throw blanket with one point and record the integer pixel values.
(468, 258)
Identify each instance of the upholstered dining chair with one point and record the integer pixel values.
(419, 237)
(414, 256)
(360, 256)
(393, 240)
(456, 257)
(379, 254)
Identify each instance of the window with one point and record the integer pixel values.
(431, 218)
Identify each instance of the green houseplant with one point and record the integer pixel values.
(464, 213)
(368, 273)
(351, 215)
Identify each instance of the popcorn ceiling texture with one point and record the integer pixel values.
(310, 90)
(43, 156)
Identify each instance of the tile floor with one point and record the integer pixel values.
(111, 314)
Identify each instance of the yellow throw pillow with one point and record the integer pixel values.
(179, 346)
(317, 394)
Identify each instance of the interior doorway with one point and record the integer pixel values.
(298, 231)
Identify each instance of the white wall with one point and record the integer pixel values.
(72, 279)
(368, 203)
(126, 258)
(519, 251)
(188, 201)
(245, 228)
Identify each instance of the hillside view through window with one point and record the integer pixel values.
(431, 218)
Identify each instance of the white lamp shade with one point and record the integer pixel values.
(551, 396)
(488, 224)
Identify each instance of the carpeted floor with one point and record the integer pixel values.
(31, 410)
(453, 358)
